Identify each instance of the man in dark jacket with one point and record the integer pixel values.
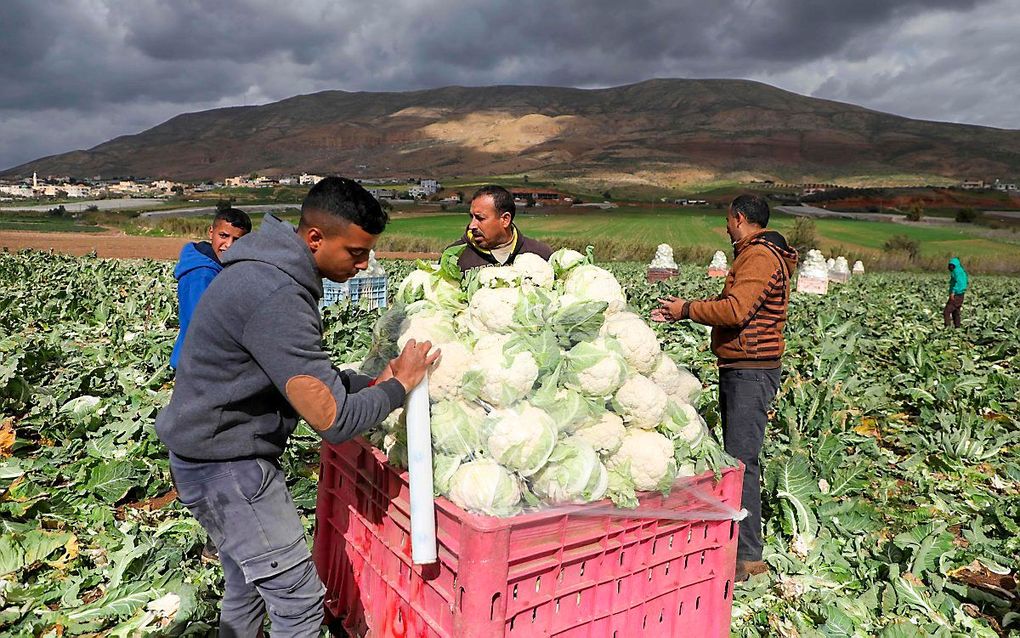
(199, 263)
(958, 281)
(253, 364)
(492, 238)
(747, 322)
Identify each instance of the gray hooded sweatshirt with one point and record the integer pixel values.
(252, 360)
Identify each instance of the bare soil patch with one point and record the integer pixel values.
(109, 244)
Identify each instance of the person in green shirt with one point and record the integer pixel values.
(957, 286)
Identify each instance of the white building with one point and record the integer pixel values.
(77, 191)
(309, 180)
(128, 186)
(430, 186)
(164, 185)
(16, 190)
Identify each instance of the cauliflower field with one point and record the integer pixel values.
(892, 487)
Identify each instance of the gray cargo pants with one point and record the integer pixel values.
(248, 512)
(744, 398)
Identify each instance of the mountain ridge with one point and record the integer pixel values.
(661, 131)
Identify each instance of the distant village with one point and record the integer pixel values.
(390, 189)
(97, 187)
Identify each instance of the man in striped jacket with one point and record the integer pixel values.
(747, 322)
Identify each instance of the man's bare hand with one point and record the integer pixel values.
(669, 310)
(410, 366)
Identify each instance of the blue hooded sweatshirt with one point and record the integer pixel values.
(194, 272)
(957, 278)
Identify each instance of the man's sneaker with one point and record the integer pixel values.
(748, 568)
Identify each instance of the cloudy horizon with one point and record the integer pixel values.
(76, 74)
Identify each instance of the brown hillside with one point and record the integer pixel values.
(666, 131)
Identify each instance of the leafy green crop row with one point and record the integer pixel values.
(893, 458)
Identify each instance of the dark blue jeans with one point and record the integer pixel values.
(744, 398)
(248, 512)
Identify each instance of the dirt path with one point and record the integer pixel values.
(120, 246)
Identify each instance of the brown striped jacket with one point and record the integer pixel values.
(747, 319)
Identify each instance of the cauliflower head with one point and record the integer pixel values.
(574, 474)
(595, 283)
(424, 285)
(639, 342)
(444, 466)
(564, 260)
(666, 374)
(492, 309)
(605, 435)
(457, 427)
(596, 368)
(496, 377)
(688, 388)
(683, 422)
(499, 277)
(521, 438)
(677, 382)
(534, 270)
(640, 402)
(647, 458)
(447, 377)
(486, 487)
(569, 408)
(430, 324)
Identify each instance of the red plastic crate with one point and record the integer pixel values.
(536, 574)
(653, 275)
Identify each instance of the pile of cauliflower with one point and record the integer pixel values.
(549, 390)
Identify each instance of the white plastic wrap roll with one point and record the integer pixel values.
(419, 472)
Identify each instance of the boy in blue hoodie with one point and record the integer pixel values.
(200, 262)
(957, 286)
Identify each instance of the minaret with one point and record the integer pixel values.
(35, 181)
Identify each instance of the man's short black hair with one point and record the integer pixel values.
(347, 201)
(235, 217)
(753, 207)
(501, 198)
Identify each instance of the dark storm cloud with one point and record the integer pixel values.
(74, 74)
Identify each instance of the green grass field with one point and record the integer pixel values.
(935, 241)
(644, 228)
(38, 223)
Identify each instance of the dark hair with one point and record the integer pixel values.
(235, 217)
(501, 198)
(753, 207)
(347, 201)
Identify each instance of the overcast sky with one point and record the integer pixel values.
(75, 73)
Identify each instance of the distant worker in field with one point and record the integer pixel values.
(252, 364)
(492, 238)
(957, 286)
(199, 263)
(747, 322)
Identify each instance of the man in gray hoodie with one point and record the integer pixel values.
(253, 364)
